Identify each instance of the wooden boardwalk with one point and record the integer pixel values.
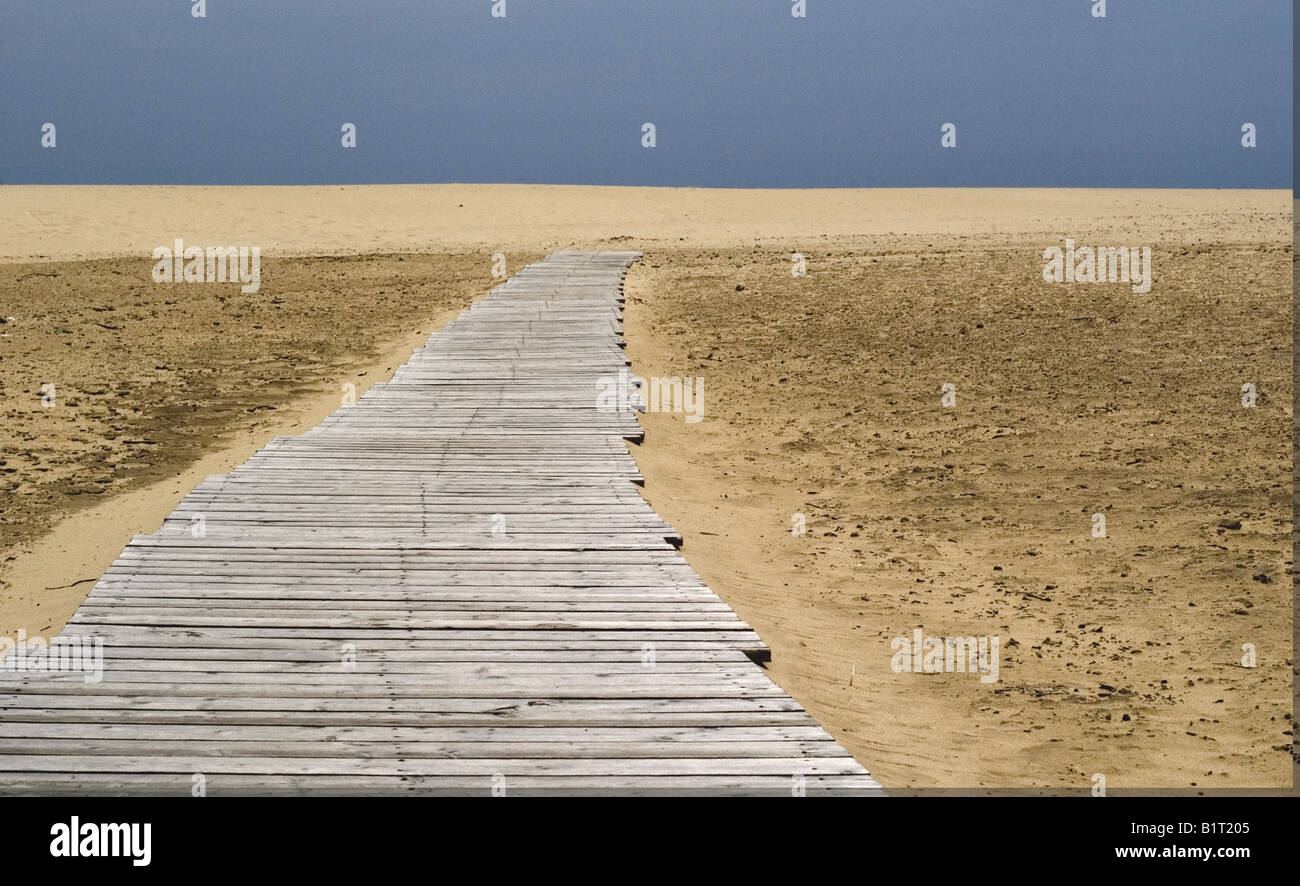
(451, 586)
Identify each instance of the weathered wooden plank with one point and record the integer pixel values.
(124, 784)
(451, 581)
(234, 765)
(411, 734)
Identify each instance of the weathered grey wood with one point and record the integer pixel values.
(452, 580)
(484, 735)
(389, 748)
(126, 784)
(289, 765)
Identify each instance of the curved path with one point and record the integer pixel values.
(451, 586)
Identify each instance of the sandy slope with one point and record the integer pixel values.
(1119, 655)
(822, 398)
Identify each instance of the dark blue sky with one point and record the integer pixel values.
(741, 93)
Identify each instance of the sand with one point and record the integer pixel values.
(70, 222)
(1119, 656)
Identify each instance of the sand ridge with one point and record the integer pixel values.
(76, 222)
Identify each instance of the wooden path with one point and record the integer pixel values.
(452, 586)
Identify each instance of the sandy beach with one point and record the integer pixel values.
(1120, 654)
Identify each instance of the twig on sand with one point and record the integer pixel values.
(80, 581)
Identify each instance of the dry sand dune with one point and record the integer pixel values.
(61, 223)
(1120, 656)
